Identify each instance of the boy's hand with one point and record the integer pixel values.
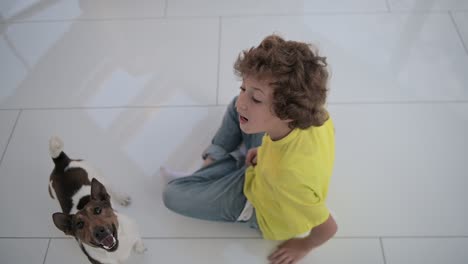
(251, 158)
(290, 252)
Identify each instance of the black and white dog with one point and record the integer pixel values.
(104, 235)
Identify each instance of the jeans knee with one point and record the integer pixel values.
(170, 197)
(177, 200)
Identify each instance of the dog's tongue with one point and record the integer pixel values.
(108, 242)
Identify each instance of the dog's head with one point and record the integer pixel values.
(96, 224)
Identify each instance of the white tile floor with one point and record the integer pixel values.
(133, 85)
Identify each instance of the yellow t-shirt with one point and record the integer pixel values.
(289, 185)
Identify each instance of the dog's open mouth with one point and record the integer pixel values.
(108, 242)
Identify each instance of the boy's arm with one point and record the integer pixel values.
(322, 233)
(295, 249)
(228, 137)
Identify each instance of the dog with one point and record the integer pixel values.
(103, 235)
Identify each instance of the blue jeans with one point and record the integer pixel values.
(215, 192)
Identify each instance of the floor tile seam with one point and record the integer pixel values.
(435, 11)
(256, 238)
(389, 7)
(214, 16)
(320, 13)
(425, 237)
(458, 11)
(107, 107)
(225, 104)
(109, 19)
(16, 53)
(291, 14)
(457, 29)
(47, 251)
(382, 250)
(10, 136)
(415, 102)
(166, 7)
(337, 237)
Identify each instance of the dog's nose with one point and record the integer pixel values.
(100, 233)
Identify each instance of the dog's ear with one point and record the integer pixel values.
(63, 222)
(98, 191)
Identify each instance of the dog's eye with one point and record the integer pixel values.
(79, 224)
(97, 210)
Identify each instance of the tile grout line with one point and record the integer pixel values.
(225, 104)
(15, 52)
(399, 102)
(107, 107)
(220, 21)
(388, 6)
(260, 238)
(11, 135)
(165, 17)
(458, 31)
(165, 8)
(340, 237)
(383, 250)
(47, 251)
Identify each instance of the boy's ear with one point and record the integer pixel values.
(98, 191)
(287, 121)
(63, 222)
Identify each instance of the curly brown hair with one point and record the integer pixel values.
(297, 75)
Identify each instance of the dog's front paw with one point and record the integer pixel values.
(123, 199)
(140, 247)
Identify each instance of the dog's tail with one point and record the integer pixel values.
(56, 152)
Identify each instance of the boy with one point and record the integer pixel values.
(281, 187)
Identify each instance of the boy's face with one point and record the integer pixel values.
(254, 106)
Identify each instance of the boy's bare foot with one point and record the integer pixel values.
(207, 161)
(170, 175)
